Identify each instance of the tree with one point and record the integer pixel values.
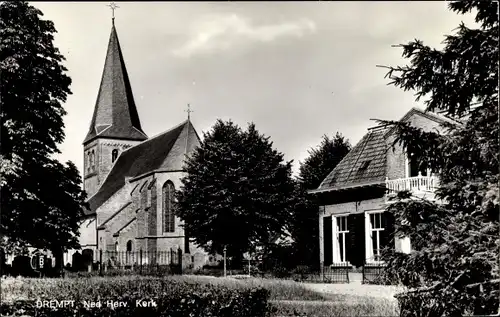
(315, 168)
(42, 200)
(322, 160)
(454, 262)
(237, 191)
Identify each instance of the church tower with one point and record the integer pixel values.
(115, 125)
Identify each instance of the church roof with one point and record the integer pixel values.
(163, 153)
(115, 114)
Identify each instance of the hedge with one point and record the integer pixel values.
(168, 297)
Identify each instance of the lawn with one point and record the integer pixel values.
(286, 298)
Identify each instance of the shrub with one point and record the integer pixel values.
(301, 272)
(172, 298)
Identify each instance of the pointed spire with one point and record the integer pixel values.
(115, 114)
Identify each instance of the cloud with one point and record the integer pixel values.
(223, 32)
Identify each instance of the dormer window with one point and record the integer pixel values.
(114, 155)
(364, 165)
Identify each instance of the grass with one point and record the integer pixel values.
(363, 306)
(287, 298)
(28, 288)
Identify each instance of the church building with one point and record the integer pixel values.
(130, 178)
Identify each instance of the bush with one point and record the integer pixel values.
(301, 272)
(172, 298)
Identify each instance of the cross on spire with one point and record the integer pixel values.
(188, 111)
(113, 7)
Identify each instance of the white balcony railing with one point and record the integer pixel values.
(417, 183)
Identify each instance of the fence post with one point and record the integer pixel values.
(224, 261)
(140, 261)
(363, 274)
(179, 260)
(157, 260)
(100, 262)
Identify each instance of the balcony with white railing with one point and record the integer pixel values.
(414, 184)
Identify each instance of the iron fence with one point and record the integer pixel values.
(141, 262)
(373, 273)
(336, 273)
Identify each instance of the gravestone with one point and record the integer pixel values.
(87, 259)
(187, 261)
(21, 265)
(199, 260)
(76, 260)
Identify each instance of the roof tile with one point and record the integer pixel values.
(365, 163)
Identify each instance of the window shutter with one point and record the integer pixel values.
(356, 248)
(327, 240)
(386, 236)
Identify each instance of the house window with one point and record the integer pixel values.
(116, 246)
(168, 207)
(376, 225)
(129, 246)
(341, 244)
(114, 155)
(413, 165)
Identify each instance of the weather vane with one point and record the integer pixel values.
(113, 7)
(189, 111)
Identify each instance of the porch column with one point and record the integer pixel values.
(321, 238)
(368, 240)
(335, 252)
(405, 245)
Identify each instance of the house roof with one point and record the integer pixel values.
(164, 152)
(364, 164)
(115, 114)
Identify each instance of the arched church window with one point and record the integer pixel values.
(89, 161)
(92, 156)
(114, 155)
(129, 246)
(168, 207)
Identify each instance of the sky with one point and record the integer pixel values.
(298, 70)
